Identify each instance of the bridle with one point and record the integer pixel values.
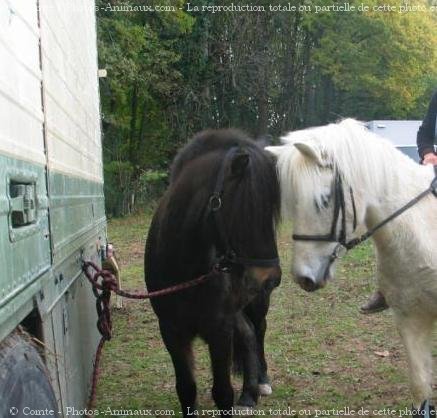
(343, 244)
(339, 213)
(229, 257)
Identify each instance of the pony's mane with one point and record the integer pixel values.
(208, 141)
(364, 159)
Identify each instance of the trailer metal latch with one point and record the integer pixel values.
(22, 204)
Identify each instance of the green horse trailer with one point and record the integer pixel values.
(51, 204)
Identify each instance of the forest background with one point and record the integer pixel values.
(173, 73)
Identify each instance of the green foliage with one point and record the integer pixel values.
(140, 54)
(379, 62)
(125, 191)
(171, 74)
(152, 183)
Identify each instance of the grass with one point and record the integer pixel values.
(321, 350)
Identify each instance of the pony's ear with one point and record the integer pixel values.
(239, 163)
(311, 151)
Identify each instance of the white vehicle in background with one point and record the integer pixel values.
(402, 133)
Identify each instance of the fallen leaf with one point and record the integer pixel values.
(384, 353)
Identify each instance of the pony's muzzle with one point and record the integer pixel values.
(266, 275)
(309, 284)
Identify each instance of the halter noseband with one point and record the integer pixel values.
(340, 210)
(230, 257)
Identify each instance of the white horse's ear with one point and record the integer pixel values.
(311, 151)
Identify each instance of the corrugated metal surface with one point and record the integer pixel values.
(71, 103)
(50, 145)
(71, 94)
(21, 118)
(75, 182)
(24, 249)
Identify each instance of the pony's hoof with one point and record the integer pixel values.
(244, 410)
(265, 389)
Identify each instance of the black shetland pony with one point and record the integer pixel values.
(218, 218)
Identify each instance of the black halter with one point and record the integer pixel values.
(340, 211)
(229, 256)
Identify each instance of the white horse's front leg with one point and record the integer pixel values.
(416, 334)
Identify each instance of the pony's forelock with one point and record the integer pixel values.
(302, 176)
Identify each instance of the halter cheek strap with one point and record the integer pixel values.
(229, 257)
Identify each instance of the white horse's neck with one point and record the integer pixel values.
(404, 181)
(407, 239)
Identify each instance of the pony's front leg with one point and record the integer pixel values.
(264, 386)
(246, 344)
(220, 350)
(257, 312)
(416, 333)
(180, 349)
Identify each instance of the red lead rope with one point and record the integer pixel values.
(104, 282)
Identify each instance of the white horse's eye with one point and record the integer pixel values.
(325, 200)
(322, 202)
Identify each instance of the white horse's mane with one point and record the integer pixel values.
(365, 160)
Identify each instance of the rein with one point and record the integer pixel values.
(229, 257)
(345, 245)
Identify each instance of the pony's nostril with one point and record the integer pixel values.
(272, 282)
(307, 283)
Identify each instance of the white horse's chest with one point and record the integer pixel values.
(409, 281)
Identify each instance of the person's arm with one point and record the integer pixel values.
(426, 133)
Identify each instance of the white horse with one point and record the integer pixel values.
(321, 167)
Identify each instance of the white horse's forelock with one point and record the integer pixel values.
(363, 159)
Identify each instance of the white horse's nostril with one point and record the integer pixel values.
(307, 283)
